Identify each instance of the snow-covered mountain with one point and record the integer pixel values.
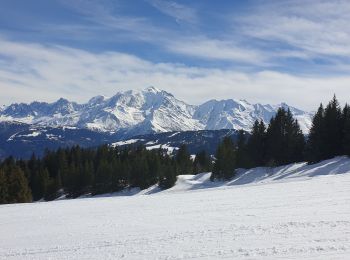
(240, 114)
(148, 111)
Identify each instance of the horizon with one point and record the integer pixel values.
(81, 49)
(146, 89)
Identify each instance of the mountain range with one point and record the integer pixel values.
(148, 111)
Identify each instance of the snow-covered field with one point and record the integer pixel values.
(291, 212)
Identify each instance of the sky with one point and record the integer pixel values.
(263, 51)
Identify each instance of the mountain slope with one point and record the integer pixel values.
(240, 114)
(195, 141)
(22, 140)
(299, 218)
(151, 110)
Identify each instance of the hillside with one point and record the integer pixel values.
(297, 211)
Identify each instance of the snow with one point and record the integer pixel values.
(130, 141)
(297, 211)
(147, 111)
(33, 134)
(241, 115)
(169, 149)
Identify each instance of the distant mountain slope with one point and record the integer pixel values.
(21, 140)
(151, 110)
(195, 141)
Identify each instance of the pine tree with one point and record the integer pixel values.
(3, 187)
(202, 163)
(154, 166)
(243, 160)
(183, 160)
(62, 160)
(43, 181)
(333, 130)
(17, 186)
(87, 176)
(257, 144)
(225, 161)
(284, 139)
(315, 149)
(72, 182)
(168, 176)
(346, 130)
(103, 179)
(53, 187)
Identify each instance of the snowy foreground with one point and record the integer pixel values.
(291, 212)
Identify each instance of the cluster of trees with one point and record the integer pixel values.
(76, 171)
(330, 132)
(282, 141)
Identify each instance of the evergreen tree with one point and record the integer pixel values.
(87, 176)
(117, 184)
(243, 160)
(43, 182)
(3, 187)
(103, 179)
(315, 149)
(61, 157)
(154, 166)
(168, 176)
(53, 187)
(284, 139)
(139, 173)
(346, 130)
(17, 186)
(202, 163)
(183, 160)
(333, 131)
(225, 161)
(257, 143)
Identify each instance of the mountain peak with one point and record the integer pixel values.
(62, 101)
(152, 89)
(146, 111)
(96, 100)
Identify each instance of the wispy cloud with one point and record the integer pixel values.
(318, 27)
(180, 13)
(37, 72)
(275, 51)
(213, 49)
(192, 44)
(106, 13)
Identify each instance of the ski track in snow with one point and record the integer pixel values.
(305, 218)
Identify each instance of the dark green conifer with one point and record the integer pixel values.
(225, 161)
(183, 160)
(202, 163)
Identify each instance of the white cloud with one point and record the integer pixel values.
(109, 17)
(107, 14)
(213, 49)
(181, 13)
(315, 26)
(36, 72)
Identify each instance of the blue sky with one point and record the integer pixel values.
(263, 51)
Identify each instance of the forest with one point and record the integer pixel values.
(74, 171)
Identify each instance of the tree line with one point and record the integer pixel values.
(282, 141)
(75, 171)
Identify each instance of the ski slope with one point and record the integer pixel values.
(292, 212)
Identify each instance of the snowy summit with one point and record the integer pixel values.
(148, 111)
